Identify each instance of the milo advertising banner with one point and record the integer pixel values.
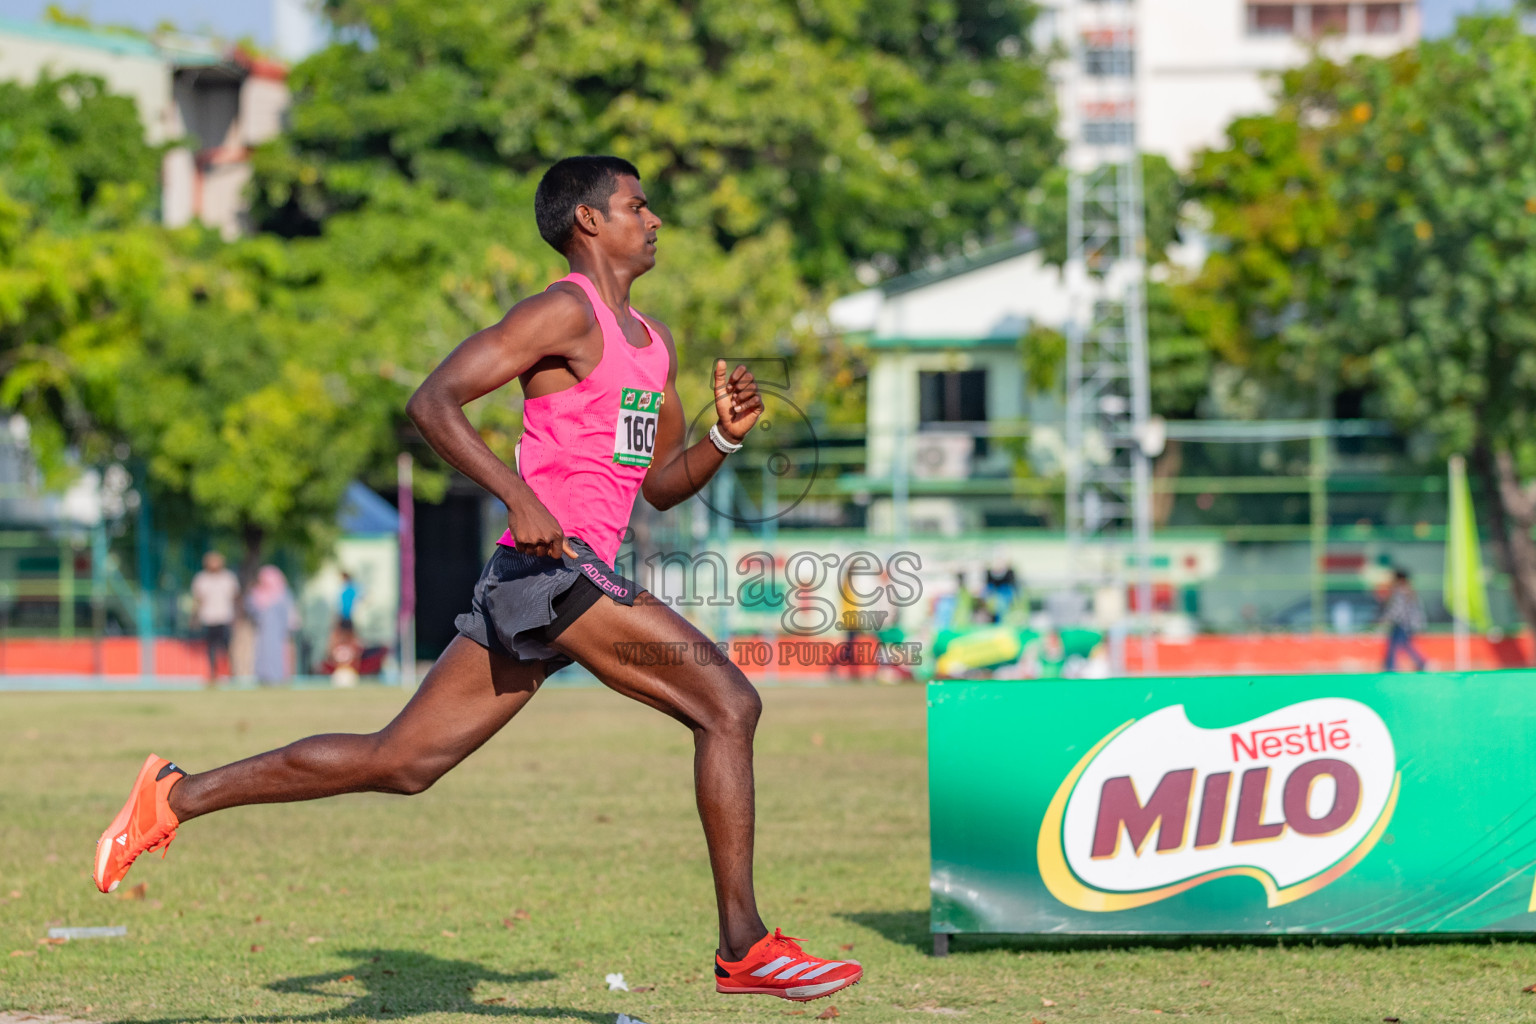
(1310, 804)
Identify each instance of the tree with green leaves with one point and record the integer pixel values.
(1162, 199)
(786, 145)
(791, 147)
(79, 263)
(252, 411)
(247, 379)
(1379, 230)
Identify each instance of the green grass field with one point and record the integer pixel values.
(569, 848)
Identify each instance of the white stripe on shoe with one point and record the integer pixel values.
(802, 965)
(823, 969)
(767, 969)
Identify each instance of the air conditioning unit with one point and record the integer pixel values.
(942, 456)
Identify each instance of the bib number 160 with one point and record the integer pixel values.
(634, 433)
(642, 433)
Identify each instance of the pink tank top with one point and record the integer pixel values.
(585, 450)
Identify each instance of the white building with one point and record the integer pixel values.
(944, 343)
(1200, 63)
(946, 381)
(219, 101)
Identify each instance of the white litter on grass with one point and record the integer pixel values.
(616, 983)
(625, 1018)
(100, 932)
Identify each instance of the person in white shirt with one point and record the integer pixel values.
(215, 595)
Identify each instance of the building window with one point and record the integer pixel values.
(1330, 19)
(1384, 19)
(1109, 133)
(1271, 19)
(1109, 61)
(952, 397)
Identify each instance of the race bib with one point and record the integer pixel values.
(634, 435)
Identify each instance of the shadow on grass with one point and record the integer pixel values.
(400, 984)
(910, 928)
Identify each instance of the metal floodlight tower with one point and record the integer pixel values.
(1109, 492)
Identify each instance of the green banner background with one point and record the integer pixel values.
(1458, 853)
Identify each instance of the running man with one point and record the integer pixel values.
(602, 420)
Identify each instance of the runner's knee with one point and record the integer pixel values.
(408, 772)
(415, 777)
(738, 709)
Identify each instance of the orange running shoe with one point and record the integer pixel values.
(777, 966)
(145, 823)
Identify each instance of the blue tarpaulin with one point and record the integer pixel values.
(364, 512)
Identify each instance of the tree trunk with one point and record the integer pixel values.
(253, 536)
(1512, 511)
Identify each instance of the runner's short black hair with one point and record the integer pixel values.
(572, 182)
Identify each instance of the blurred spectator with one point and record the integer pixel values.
(888, 669)
(344, 654)
(1002, 589)
(1404, 616)
(851, 616)
(346, 659)
(215, 591)
(347, 601)
(954, 609)
(272, 609)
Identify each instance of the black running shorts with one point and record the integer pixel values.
(523, 602)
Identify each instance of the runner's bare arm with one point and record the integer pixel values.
(676, 473)
(542, 325)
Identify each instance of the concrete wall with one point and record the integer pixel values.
(263, 107)
(132, 70)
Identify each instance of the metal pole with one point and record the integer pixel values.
(1132, 244)
(1108, 393)
(144, 609)
(724, 485)
(98, 598)
(407, 541)
(1319, 545)
(66, 590)
(900, 465)
(770, 506)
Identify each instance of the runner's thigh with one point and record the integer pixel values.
(693, 684)
(468, 695)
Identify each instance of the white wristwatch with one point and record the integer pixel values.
(721, 443)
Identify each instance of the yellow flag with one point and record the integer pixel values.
(1465, 597)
